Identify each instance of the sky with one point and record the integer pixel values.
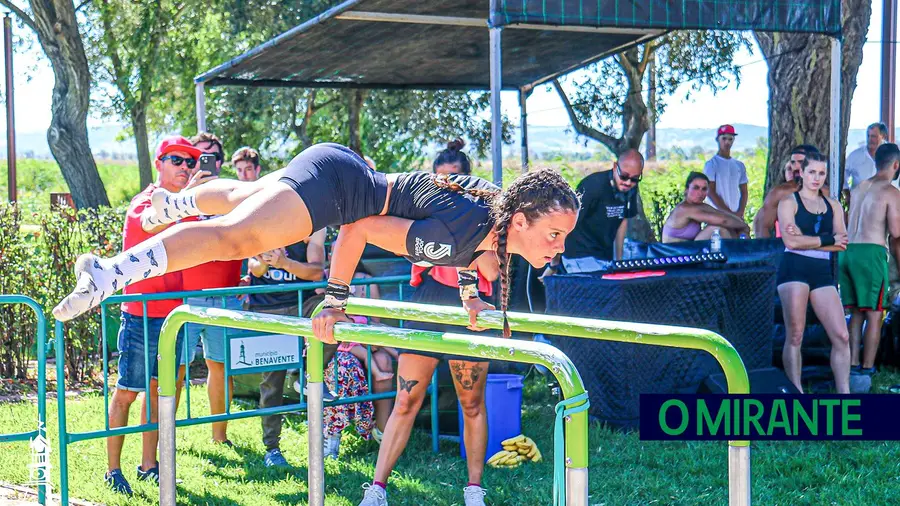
(744, 104)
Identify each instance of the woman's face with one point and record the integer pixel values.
(815, 175)
(696, 191)
(448, 168)
(542, 239)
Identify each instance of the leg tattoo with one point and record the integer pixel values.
(407, 384)
(466, 374)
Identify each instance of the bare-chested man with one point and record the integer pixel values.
(863, 275)
(764, 224)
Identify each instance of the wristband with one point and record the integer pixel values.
(468, 284)
(827, 240)
(336, 294)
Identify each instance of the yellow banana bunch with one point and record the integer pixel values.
(515, 451)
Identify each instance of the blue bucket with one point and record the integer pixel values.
(503, 399)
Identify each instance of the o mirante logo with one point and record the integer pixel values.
(773, 417)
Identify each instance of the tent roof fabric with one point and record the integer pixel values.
(418, 44)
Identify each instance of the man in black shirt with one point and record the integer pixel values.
(298, 263)
(608, 200)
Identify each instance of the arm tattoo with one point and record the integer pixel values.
(407, 384)
(466, 374)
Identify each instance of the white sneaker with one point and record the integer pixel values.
(474, 495)
(327, 395)
(374, 496)
(377, 435)
(332, 446)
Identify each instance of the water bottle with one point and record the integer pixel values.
(715, 242)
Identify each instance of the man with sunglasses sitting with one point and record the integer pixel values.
(175, 159)
(608, 200)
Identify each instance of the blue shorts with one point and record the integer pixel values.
(132, 371)
(213, 337)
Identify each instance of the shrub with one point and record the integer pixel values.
(39, 264)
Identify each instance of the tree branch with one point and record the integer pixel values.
(21, 13)
(582, 129)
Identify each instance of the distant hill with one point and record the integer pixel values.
(542, 140)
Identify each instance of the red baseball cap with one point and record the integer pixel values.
(726, 130)
(177, 143)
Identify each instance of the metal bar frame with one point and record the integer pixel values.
(739, 468)
(496, 112)
(41, 344)
(468, 345)
(889, 66)
(396, 17)
(834, 157)
(523, 125)
(200, 98)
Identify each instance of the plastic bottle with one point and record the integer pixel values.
(715, 242)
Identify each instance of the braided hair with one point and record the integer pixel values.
(533, 194)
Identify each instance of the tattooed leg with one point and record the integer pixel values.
(470, 378)
(413, 374)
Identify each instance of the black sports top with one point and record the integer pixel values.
(449, 225)
(811, 223)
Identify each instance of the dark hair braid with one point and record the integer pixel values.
(533, 194)
(443, 181)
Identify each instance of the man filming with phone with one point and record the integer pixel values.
(211, 275)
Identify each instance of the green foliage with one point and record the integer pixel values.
(604, 97)
(36, 179)
(39, 263)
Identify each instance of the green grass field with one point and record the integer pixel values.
(623, 469)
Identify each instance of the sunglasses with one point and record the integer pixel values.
(626, 178)
(178, 160)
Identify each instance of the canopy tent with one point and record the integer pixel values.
(414, 44)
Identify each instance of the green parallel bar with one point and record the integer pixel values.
(40, 339)
(421, 340)
(604, 330)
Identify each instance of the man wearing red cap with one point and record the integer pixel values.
(727, 176)
(175, 159)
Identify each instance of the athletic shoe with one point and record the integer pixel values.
(474, 495)
(151, 474)
(377, 435)
(374, 496)
(274, 458)
(332, 446)
(116, 480)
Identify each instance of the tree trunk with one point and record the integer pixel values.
(800, 86)
(139, 125)
(355, 109)
(58, 34)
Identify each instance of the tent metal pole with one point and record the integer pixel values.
(201, 107)
(835, 133)
(889, 66)
(496, 115)
(523, 98)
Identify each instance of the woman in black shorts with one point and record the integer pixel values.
(813, 228)
(449, 221)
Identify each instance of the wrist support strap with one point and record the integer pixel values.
(827, 240)
(468, 284)
(336, 294)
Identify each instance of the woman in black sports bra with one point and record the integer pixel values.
(813, 228)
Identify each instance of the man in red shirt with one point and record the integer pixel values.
(201, 277)
(175, 161)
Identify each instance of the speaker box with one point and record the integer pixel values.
(769, 380)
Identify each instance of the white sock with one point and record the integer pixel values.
(171, 207)
(99, 278)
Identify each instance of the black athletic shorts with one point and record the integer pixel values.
(336, 185)
(814, 272)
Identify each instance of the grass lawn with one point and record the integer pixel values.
(623, 469)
